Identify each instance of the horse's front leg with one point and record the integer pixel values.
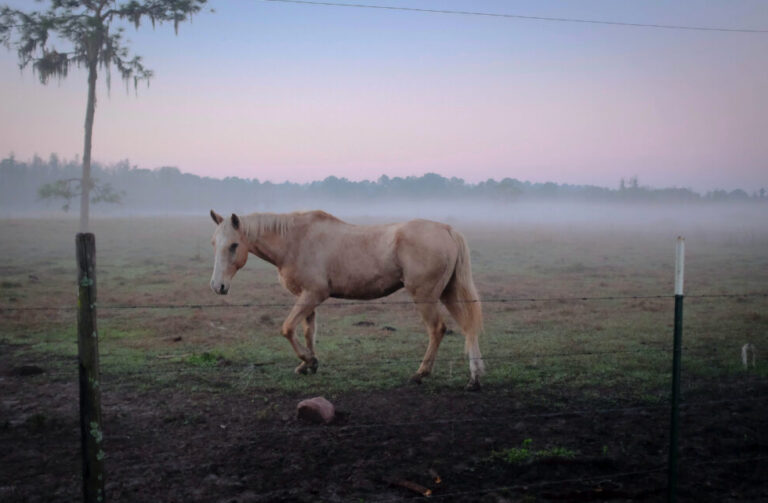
(303, 310)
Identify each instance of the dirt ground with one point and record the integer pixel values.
(248, 445)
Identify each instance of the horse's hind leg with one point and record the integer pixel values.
(469, 317)
(310, 330)
(436, 330)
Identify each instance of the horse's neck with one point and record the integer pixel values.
(267, 236)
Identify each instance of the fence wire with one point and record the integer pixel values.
(340, 429)
(601, 478)
(224, 367)
(509, 300)
(437, 495)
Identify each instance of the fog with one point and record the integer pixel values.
(748, 220)
(729, 222)
(723, 216)
(507, 202)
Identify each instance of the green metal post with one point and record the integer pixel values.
(674, 429)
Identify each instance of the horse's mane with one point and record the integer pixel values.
(278, 223)
(259, 223)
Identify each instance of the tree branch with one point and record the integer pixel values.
(70, 188)
(88, 33)
(157, 11)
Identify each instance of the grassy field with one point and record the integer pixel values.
(199, 395)
(619, 342)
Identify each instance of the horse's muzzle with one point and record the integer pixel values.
(221, 290)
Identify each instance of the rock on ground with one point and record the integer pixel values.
(316, 410)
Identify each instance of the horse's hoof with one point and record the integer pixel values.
(305, 368)
(473, 386)
(415, 379)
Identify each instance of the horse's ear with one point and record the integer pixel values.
(216, 217)
(235, 222)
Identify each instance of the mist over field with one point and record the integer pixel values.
(644, 216)
(169, 192)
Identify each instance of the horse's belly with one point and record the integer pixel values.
(364, 288)
(363, 266)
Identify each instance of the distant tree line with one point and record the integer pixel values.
(168, 190)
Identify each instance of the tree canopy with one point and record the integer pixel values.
(85, 27)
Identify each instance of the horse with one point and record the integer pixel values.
(319, 256)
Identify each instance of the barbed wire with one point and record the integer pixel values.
(229, 368)
(132, 468)
(384, 303)
(663, 408)
(582, 480)
(181, 364)
(291, 428)
(532, 485)
(607, 477)
(656, 344)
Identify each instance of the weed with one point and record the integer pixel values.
(513, 455)
(556, 452)
(206, 359)
(525, 453)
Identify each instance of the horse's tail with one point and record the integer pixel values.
(461, 299)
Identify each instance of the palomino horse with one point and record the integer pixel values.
(319, 256)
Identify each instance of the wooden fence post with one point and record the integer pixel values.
(91, 433)
(674, 427)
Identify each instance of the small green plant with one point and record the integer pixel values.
(556, 452)
(514, 455)
(525, 454)
(206, 359)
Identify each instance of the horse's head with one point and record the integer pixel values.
(230, 251)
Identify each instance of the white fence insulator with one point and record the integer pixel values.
(679, 265)
(748, 355)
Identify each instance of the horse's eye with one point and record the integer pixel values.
(233, 247)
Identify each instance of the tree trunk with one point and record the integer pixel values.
(85, 183)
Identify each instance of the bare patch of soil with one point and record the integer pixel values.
(248, 446)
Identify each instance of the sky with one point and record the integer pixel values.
(279, 91)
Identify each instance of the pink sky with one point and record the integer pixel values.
(280, 92)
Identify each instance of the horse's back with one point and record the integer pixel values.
(358, 262)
